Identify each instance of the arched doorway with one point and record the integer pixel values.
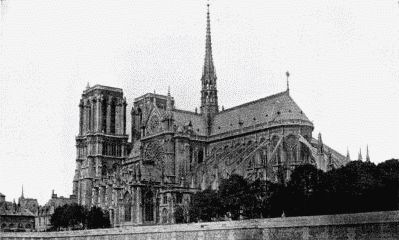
(127, 199)
(164, 216)
(148, 206)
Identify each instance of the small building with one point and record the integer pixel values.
(43, 217)
(14, 218)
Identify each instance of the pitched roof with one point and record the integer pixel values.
(182, 118)
(2, 194)
(276, 107)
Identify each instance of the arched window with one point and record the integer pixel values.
(250, 163)
(164, 217)
(113, 117)
(200, 155)
(140, 113)
(20, 225)
(104, 170)
(104, 115)
(149, 207)
(179, 198)
(3, 226)
(128, 207)
(90, 119)
(27, 226)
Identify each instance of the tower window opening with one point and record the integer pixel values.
(104, 115)
(179, 198)
(90, 120)
(200, 156)
(149, 207)
(113, 116)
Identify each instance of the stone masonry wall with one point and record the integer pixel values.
(376, 225)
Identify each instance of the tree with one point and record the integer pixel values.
(353, 188)
(205, 206)
(57, 220)
(304, 191)
(260, 202)
(68, 216)
(97, 218)
(389, 195)
(179, 214)
(235, 196)
(75, 216)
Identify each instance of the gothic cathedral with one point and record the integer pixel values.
(174, 153)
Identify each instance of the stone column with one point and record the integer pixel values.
(298, 152)
(79, 191)
(124, 117)
(89, 115)
(101, 196)
(93, 114)
(84, 116)
(109, 102)
(99, 114)
(81, 112)
(98, 168)
(139, 215)
(95, 196)
(118, 117)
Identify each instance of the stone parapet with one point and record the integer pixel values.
(373, 225)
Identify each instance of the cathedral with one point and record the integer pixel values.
(174, 153)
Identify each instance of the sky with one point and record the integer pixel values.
(342, 57)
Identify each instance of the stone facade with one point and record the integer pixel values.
(174, 153)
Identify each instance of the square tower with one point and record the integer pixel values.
(101, 142)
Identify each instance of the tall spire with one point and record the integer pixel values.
(320, 145)
(288, 80)
(22, 193)
(360, 158)
(209, 68)
(367, 154)
(348, 156)
(209, 99)
(168, 101)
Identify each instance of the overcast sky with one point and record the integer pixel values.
(343, 57)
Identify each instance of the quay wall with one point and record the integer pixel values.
(373, 225)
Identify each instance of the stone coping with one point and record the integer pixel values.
(307, 221)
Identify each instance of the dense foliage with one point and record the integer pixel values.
(356, 187)
(77, 217)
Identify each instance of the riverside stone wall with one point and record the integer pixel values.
(376, 225)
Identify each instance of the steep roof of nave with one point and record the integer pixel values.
(276, 107)
(182, 118)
